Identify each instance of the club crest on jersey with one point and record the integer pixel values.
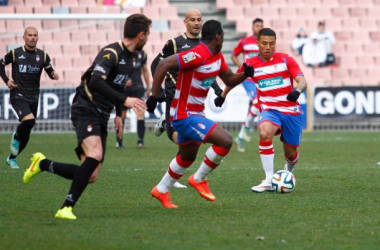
(89, 128)
(201, 125)
(37, 58)
(188, 57)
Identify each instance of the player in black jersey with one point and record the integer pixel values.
(27, 64)
(193, 22)
(135, 88)
(101, 90)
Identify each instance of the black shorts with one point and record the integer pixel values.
(136, 92)
(86, 123)
(24, 107)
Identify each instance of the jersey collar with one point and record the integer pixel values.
(207, 48)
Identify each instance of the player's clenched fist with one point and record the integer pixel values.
(293, 96)
(249, 71)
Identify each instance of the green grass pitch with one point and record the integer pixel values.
(335, 204)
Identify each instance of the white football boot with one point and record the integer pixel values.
(265, 186)
(159, 128)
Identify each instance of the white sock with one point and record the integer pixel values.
(249, 120)
(175, 171)
(241, 133)
(213, 158)
(267, 158)
(291, 163)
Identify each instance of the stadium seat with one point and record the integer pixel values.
(23, 9)
(88, 25)
(106, 25)
(330, 3)
(305, 12)
(374, 74)
(165, 36)
(7, 9)
(295, 3)
(361, 36)
(60, 10)
(62, 37)
(89, 50)
(161, 25)
(51, 24)
(322, 12)
(224, 4)
(280, 25)
(312, 3)
(72, 25)
(242, 2)
(70, 3)
(54, 50)
(340, 12)
(251, 13)
(35, 3)
(168, 12)
(177, 25)
(159, 2)
(322, 73)
(353, 48)
(87, 3)
(270, 12)
(374, 12)
(2, 27)
(372, 48)
(113, 36)
(365, 62)
(279, 3)
(42, 10)
(343, 35)
(51, 2)
(339, 73)
(235, 13)
(16, 2)
(81, 63)
(244, 26)
(78, 10)
(368, 24)
(358, 73)
(72, 77)
(334, 24)
(79, 37)
(297, 23)
(347, 2)
(347, 61)
(288, 13)
(134, 10)
(351, 24)
(63, 63)
(96, 39)
(112, 9)
(45, 37)
(375, 36)
(260, 2)
(71, 50)
(153, 12)
(358, 12)
(15, 25)
(33, 23)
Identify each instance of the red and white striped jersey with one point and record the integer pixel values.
(198, 69)
(248, 46)
(274, 81)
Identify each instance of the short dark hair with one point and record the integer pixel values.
(136, 23)
(257, 20)
(210, 29)
(321, 23)
(266, 32)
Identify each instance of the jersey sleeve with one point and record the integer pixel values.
(8, 58)
(223, 66)
(238, 49)
(293, 67)
(189, 59)
(105, 61)
(144, 59)
(168, 49)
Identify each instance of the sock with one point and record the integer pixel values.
(291, 163)
(175, 171)
(23, 133)
(267, 158)
(141, 129)
(213, 157)
(241, 132)
(12, 156)
(62, 169)
(248, 120)
(80, 181)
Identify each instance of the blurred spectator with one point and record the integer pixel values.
(314, 52)
(130, 3)
(328, 40)
(299, 41)
(3, 2)
(109, 2)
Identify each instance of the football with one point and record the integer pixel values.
(283, 182)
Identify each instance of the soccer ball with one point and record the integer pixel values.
(283, 182)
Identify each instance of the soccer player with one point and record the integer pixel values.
(193, 22)
(101, 90)
(28, 62)
(198, 69)
(281, 112)
(247, 46)
(135, 88)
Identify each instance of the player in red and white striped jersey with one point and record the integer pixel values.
(198, 69)
(248, 46)
(281, 113)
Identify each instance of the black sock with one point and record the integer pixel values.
(80, 181)
(23, 133)
(62, 169)
(12, 156)
(141, 130)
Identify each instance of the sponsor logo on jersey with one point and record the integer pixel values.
(37, 58)
(201, 125)
(266, 83)
(100, 69)
(185, 46)
(188, 57)
(89, 128)
(208, 82)
(122, 61)
(258, 71)
(22, 68)
(21, 57)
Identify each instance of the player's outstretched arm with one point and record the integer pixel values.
(159, 76)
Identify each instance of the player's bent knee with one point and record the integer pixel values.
(96, 155)
(94, 177)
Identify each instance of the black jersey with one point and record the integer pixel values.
(173, 46)
(103, 83)
(136, 79)
(26, 71)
